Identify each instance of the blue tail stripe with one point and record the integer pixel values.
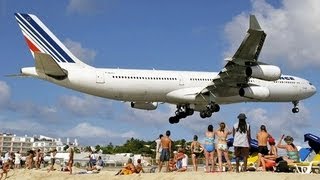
(41, 40)
(26, 29)
(47, 37)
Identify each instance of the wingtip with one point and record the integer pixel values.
(254, 24)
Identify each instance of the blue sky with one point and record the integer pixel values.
(175, 35)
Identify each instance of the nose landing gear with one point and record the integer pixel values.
(295, 109)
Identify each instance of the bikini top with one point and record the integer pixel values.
(209, 140)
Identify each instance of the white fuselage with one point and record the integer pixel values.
(153, 85)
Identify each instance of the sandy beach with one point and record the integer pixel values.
(57, 175)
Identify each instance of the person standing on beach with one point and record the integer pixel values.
(221, 146)
(242, 136)
(166, 150)
(209, 148)
(70, 161)
(17, 160)
(262, 137)
(53, 159)
(196, 151)
(38, 159)
(158, 149)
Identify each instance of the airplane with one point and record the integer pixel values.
(242, 79)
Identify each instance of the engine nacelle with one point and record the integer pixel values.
(264, 72)
(144, 105)
(254, 92)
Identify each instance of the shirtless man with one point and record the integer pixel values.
(70, 161)
(166, 150)
(5, 169)
(262, 137)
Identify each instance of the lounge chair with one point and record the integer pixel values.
(308, 167)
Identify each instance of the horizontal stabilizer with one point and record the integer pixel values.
(47, 65)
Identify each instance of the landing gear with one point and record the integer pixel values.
(295, 109)
(211, 108)
(181, 112)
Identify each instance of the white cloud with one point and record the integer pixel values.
(4, 93)
(292, 32)
(86, 6)
(21, 126)
(281, 121)
(86, 105)
(86, 130)
(84, 54)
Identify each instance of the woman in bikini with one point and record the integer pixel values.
(209, 148)
(292, 150)
(221, 146)
(196, 150)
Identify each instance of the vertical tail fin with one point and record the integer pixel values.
(40, 39)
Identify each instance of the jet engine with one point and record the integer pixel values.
(264, 72)
(144, 105)
(254, 92)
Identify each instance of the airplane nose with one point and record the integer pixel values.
(313, 90)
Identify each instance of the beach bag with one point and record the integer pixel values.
(282, 167)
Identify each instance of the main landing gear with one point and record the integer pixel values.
(181, 112)
(211, 108)
(295, 109)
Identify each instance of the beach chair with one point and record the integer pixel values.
(308, 167)
(252, 161)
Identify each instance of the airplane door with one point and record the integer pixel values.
(181, 82)
(100, 77)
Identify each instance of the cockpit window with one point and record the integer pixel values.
(310, 83)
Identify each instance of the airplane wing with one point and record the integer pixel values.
(233, 75)
(47, 65)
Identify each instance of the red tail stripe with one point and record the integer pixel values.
(31, 45)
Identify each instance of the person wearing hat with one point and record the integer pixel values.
(292, 150)
(242, 136)
(268, 161)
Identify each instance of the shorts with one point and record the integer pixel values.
(196, 154)
(263, 150)
(222, 147)
(165, 156)
(241, 151)
(209, 147)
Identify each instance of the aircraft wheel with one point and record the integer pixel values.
(295, 110)
(190, 112)
(176, 120)
(203, 114)
(172, 120)
(216, 108)
(208, 114)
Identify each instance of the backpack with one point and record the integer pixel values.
(282, 167)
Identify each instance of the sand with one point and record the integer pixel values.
(57, 175)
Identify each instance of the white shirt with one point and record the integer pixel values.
(240, 139)
(158, 141)
(184, 161)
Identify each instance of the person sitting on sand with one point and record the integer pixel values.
(5, 169)
(172, 165)
(221, 146)
(129, 168)
(292, 151)
(182, 158)
(269, 161)
(196, 151)
(139, 167)
(99, 165)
